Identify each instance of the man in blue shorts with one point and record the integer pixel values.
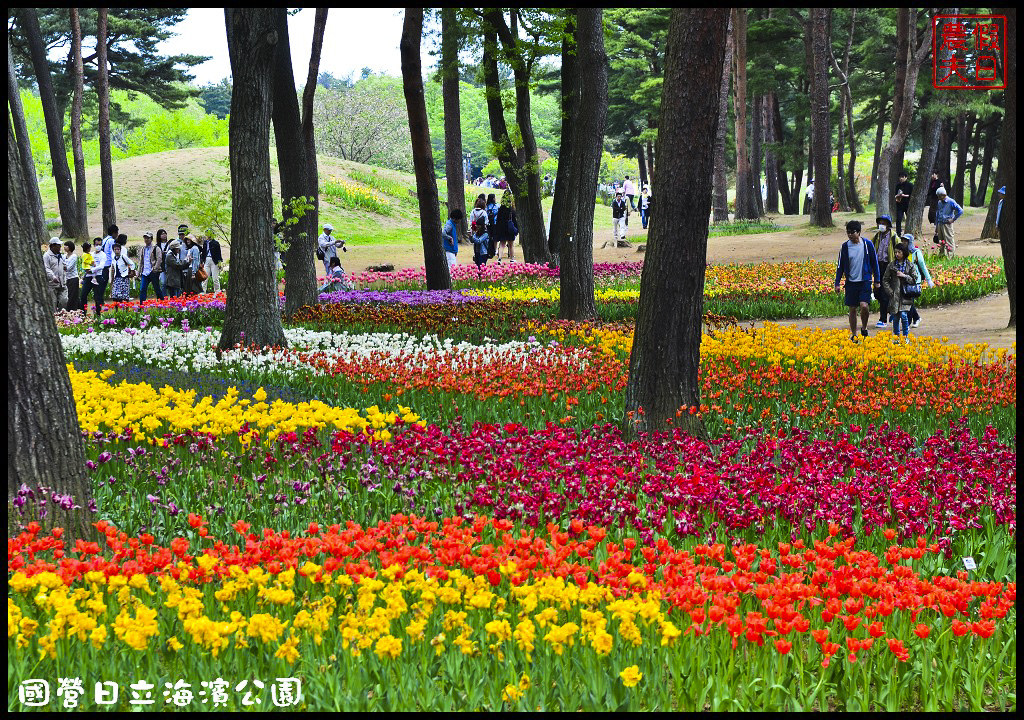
(857, 261)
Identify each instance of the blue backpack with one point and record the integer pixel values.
(492, 214)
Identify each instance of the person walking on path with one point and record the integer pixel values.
(449, 237)
(618, 219)
(122, 269)
(72, 271)
(506, 224)
(481, 244)
(211, 260)
(900, 274)
(917, 257)
(859, 264)
(327, 247)
(885, 242)
(53, 264)
(947, 210)
(629, 190)
(173, 266)
(152, 268)
(903, 191)
(644, 205)
(479, 213)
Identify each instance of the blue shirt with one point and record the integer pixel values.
(870, 263)
(449, 237)
(108, 248)
(947, 211)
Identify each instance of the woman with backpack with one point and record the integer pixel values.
(481, 244)
(902, 282)
(506, 224)
(479, 213)
(917, 258)
(492, 217)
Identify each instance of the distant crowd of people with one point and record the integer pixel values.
(171, 267)
(493, 228)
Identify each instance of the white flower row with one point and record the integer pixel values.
(194, 351)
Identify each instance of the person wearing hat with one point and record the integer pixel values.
(917, 258)
(53, 263)
(903, 191)
(947, 210)
(328, 246)
(173, 265)
(152, 265)
(618, 219)
(885, 245)
(182, 232)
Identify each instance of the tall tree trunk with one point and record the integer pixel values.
(454, 173)
(650, 161)
(844, 204)
(851, 178)
(438, 277)
(972, 169)
(771, 168)
(76, 126)
(720, 191)
(902, 94)
(991, 137)
(989, 229)
(44, 440)
(641, 162)
(576, 276)
(919, 195)
(790, 202)
(1008, 159)
(103, 96)
(963, 126)
(564, 205)
(664, 362)
(844, 179)
(821, 210)
(745, 206)
(756, 156)
(879, 132)
(70, 220)
(942, 160)
(253, 312)
(300, 229)
(34, 204)
(893, 148)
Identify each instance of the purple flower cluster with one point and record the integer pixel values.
(404, 297)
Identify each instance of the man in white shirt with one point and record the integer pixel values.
(329, 245)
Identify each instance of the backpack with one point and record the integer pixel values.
(319, 252)
(512, 229)
(492, 215)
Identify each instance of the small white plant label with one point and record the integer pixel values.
(969, 563)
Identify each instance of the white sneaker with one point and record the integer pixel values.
(915, 323)
(880, 324)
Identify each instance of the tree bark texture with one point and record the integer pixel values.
(523, 170)
(665, 359)
(720, 193)
(455, 176)
(37, 225)
(576, 275)
(963, 126)
(253, 313)
(790, 200)
(641, 162)
(894, 148)
(905, 27)
(70, 219)
(880, 130)
(942, 160)
(919, 195)
(991, 138)
(76, 126)
(650, 161)
(771, 176)
(746, 207)
(308, 95)
(438, 277)
(821, 210)
(109, 211)
(989, 229)
(1008, 160)
(296, 179)
(976, 147)
(44, 440)
(756, 154)
(567, 181)
(844, 204)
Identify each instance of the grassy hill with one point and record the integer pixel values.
(145, 187)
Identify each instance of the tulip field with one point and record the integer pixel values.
(427, 502)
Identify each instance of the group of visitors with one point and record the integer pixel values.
(172, 267)
(492, 229)
(621, 209)
(327, 253)
(943, 211)
(889, 267)
(492, 182)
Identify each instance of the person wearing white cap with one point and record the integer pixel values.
(327, 247)
(53, 263)
(947, 210)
